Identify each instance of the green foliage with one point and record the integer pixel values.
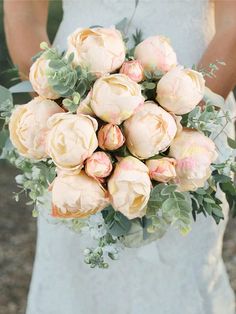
(137, 37)
(166, 207)
(206, 202)
(63, 76)
(117, 224)
(231, 142)
(35, 177)
(96, 257)
(122, 152)
(150, 83)
(207, 120)
(226, 183)
(6, 103)
(229, 189)
(4, 135)
(122, 26)
(72, 104)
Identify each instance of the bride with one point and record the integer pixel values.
(174, 275)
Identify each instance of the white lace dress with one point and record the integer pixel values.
(174, 275)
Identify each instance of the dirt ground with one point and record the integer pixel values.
(17, 242)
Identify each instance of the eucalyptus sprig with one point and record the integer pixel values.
(106, 244)
(72, 104)
(35, 176)
(207, 120)
(166, 207)
(6, 104)
(63, 76)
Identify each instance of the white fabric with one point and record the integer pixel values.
(174, 275)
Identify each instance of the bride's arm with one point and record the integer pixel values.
(25, 23)
(223, 48)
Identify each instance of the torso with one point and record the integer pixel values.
(188, 23)
(174, 275)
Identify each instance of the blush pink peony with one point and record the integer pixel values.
(133, 69)
(110, 137)
(194, 153)
(156, 53)
(98, 165)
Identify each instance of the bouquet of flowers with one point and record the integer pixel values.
(118, 143)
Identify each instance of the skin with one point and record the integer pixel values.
(25, 23)
(29, 18)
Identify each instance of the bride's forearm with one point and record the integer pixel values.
(25, 25)
(222, 48)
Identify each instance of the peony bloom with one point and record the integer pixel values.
(156, 53)
(130, 187)
(98, 165)
(110, 137)
(77, 196)
(71, 139)
(115, 98)
(194, 153)
(162, 170)
(133, 69)
(28, 126)
(180, 90)
(149, 131)
(38, 78)
(101, 50)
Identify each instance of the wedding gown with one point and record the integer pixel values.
(174, 275)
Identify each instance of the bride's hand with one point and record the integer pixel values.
(223, 48)
(25, 24)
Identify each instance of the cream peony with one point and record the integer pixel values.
(101, 50)
(115, 98)
(98, 165)
(77, 196)
(71, 139)
(28, 126)
(130, 187)
(133, 69)
(156, 53)
(149, 131)
(110, 137)
(162, 170)
(194, 153)
(180, 90)
(38, 79)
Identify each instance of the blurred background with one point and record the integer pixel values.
(18, 227)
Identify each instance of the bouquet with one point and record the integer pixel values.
(118, 143)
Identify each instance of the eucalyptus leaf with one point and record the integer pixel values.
(117, 224)
(5, 95)
(231, 142)
(168, 189)
(4, 135)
